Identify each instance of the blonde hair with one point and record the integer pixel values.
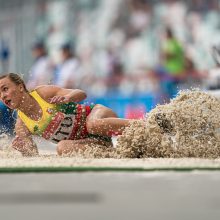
(15, 78)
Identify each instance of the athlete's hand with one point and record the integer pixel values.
(60, 99)
(25, 146)
(18, 143)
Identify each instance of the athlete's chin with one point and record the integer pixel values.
(12, 106)
(9, 106)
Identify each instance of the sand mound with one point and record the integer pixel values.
(186, 127)
(189, 126)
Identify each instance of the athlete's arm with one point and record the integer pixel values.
(23, 141)
(55, 94)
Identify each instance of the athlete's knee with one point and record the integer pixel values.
(92, 125)
(61, 148)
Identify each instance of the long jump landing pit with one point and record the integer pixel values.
(49, 162)
(187, 129)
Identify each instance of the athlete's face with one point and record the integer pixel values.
(10, 93)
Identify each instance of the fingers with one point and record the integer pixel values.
(26, 148)
(59, 99)
(18, 146)
(17, 141)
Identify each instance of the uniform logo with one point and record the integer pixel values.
(50, 110)
(35, 128)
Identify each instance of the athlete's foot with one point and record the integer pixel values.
(163, 122)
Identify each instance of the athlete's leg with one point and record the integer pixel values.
(69, 147)
(103, 121)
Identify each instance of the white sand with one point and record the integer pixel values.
(49, 159)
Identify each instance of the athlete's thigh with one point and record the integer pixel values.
(101, 111)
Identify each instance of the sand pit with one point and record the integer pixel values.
(184, 133)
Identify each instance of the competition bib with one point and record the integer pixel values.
(61, 127)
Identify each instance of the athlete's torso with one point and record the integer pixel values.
(58, 121)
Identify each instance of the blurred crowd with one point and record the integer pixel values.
(149, 47)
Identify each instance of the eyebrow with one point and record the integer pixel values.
(3, 85)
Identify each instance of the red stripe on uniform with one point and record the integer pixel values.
(77, 124)
(88, 110)
(84, 131)
(53, 125)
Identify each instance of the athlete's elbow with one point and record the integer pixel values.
(83, 94)
(79, 95)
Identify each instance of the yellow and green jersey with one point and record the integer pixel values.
(59, 121)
